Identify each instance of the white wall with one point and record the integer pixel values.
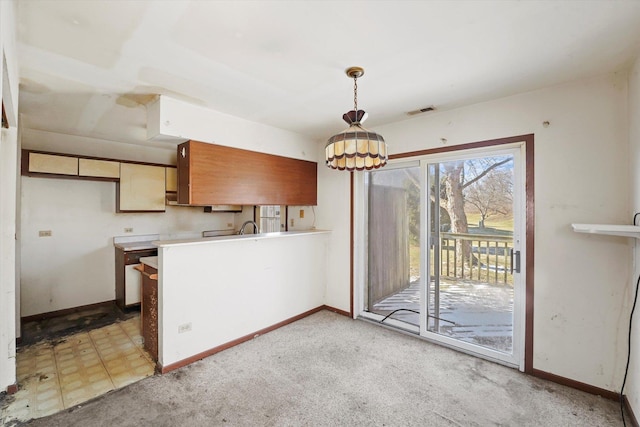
(582, 174)
(173, 118)
(75, 266)
(632, 388)
(8, 165)
(333, 213)
(206, 285)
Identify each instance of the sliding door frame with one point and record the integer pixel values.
(358, 251)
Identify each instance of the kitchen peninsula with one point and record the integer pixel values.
(217, 292)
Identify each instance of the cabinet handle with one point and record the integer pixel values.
(140, 268)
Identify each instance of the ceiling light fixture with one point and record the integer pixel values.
(356, 148)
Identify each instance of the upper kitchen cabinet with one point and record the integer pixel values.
(171, 180)
(54, 164)
(210, 174)
(98, 168)
(141, 188)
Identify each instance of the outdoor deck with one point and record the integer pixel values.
(481, 313)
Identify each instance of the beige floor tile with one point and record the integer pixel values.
(81, 367)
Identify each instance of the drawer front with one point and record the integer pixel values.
(134, 256)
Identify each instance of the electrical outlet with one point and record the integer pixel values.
(186, 327)
(229, 225)
(44, 233)
(301, 213)
(292, 222)
(128, 230)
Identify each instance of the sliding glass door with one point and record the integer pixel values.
(444, 250)
(393, 229)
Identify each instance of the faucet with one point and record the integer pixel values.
(255, 227)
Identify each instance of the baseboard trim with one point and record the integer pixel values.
(629, 411)
(12, 389)
(212, 351)
(336, 310)
(65, 311)
(611, 395)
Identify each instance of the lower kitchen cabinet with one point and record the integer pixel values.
(128, 281)
(149, 311)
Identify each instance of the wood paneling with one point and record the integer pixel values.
(210, 174)
(149, 311)
(388, 242)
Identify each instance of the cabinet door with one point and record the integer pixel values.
(132, 285)
(141, 188)
(172, 179)
(50, 163)
(98, 168)
(210, 174)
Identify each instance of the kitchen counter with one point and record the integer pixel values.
(151, 261)
(234, 237)
(135, 246)
(135, 242)
(259, 281)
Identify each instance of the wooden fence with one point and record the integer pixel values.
(488, 260)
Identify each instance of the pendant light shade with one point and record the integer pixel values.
(356, 148)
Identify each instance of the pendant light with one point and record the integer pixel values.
(356, 148)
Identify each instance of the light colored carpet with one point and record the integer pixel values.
(328, 370)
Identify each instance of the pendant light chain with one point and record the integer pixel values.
(355, 93)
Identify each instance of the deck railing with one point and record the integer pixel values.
(488, 260)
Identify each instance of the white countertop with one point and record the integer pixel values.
(135, 246)
(135, 242)
(151, 261)
(145, 241)
(235, 237)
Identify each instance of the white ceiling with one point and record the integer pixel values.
(88, 67)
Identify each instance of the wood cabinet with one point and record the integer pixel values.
(141, 188)
(210, 174)
(128, 281)
(98, 168)
(52, 164)
(149, 310)
(171, 180)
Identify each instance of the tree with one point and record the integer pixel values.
(492, 194)
(456, 176)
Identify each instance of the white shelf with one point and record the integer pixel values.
(608, 229)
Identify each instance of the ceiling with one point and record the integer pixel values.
(89, 67)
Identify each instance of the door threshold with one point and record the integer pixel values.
(414, 331)
(391, 323)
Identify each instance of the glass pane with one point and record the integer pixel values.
(394, 243)
(471, 286)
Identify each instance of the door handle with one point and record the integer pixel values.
(515, 261)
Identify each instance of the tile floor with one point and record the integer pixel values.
(55, 375)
